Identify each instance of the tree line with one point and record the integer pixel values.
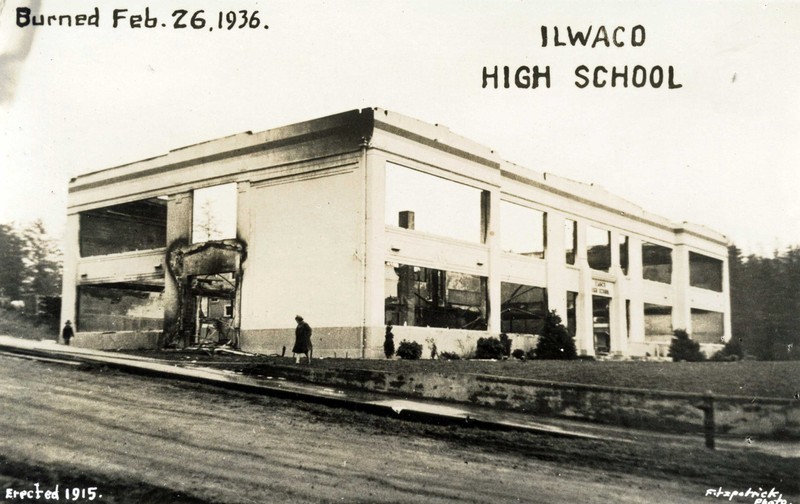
(765, 304)
(31, 262)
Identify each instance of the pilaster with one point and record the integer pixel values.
(179, 229)
(495, 257)
(69, 289)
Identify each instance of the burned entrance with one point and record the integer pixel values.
(213, 297)
(208, 277)
(601, 316)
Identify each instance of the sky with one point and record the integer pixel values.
(721, 150)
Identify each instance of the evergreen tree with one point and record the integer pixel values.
(42, 259)
(12, 269)
(555, 341)
(683, 348)
(765, 304)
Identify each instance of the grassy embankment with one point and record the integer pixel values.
(19, 325)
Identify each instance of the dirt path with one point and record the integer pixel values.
(140, 439)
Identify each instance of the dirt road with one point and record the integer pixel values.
(139, 439)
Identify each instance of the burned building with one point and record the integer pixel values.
(369, 218)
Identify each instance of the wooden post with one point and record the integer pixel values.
(708, 419)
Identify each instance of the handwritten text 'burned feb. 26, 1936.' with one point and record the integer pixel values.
(146, 19)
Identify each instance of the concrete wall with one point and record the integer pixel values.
(105, 308)
(142, 266)
(660, 411)
(306, 256)
(118, 340)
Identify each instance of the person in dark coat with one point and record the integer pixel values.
(67, 333)
(388, 343)
(302, 340)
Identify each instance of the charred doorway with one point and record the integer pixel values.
(601, 327)
(213, 298)
(208, 277)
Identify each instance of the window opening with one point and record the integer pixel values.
(656, 263)
(623, 254)
(214, 213)
(424, 202)
(139, 225)
(120, 307)
(570, 239)
(598, 248)
(572, 313)
(628, 318)
(523, 308)
(426, 297)
(705, 272)
(707, 326)
(522, 230)
(658, 321)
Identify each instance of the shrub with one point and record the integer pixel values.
(489, 348)
(555, 341)
(732, 351)
(409, 350)
(449, 356)
(432, 345)
(506, 341)
(683, 348)
(518, 354)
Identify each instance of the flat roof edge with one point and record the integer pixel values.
(358, 119)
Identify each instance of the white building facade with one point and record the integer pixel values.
(369, 218)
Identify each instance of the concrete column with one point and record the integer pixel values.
(584, 339)
(617, 320)
(243, 233)
(636, 295)
(556, 265)
(613, 239)
(69, 289)
(179, 229)
(495, 258)
(726, 300)
(681, 307)
(374, 250)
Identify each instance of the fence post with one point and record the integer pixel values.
(708, 418)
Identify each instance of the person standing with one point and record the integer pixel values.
(67, 333)
(388, 343)
(302, 340)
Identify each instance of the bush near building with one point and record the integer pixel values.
(555, 341)
(683, 348)
(409, 350)
(506, 342)
(489, 348)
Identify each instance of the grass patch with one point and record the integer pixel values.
(778, 379)
(19, 325)
(746, 378)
